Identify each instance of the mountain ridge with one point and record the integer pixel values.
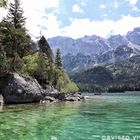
(96, 50)
(118, 77)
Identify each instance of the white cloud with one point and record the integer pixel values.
(81, 27)
(51, 26)
(102, 6)
(76, 9)
(29, 4)
(37, 18)
(135, 8)
(84, 2)
(3, 13)
(104, 15)
(132, 2)
(35, 11)
(116, 4)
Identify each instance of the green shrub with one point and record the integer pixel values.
(70, 88)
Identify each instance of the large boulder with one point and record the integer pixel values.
(21, 90)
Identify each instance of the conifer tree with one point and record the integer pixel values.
(45, 48)
(58, 61)
(3, 3)
(47, 53)
(15, 15)
(3, 61)
(15, 39)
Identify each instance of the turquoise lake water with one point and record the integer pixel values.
(92, 119)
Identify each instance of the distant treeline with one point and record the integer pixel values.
(119, 77)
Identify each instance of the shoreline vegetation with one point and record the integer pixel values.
(117, 77)
(30, 72)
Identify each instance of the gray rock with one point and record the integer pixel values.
(47, 90)
(72, 99)
(48, 98)
(133, 36)
(78, 95)
(1, 100)
(21, 90)
(117, 40)
(57, 95)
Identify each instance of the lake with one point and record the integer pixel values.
(94, 119)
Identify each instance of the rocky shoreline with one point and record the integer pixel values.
(20, 89)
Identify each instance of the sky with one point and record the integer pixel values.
(77, 18)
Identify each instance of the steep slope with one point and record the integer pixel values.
(65, 44)
(117, 40)
(125, 70)
(87, 45)
(121, 76)
(120, 53)
(93, 50)
(97, 75)
(78, 62)
(134, 36)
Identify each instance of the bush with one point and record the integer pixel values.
(30, 64)
(70, 88)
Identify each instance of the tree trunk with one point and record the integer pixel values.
(14, 64)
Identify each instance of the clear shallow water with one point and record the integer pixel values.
(88, 120)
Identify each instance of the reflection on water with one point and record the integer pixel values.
(1, 107)
(1, 102)
(88, 120)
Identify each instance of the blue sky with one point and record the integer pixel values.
(76, 18)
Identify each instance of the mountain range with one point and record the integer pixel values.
(118, 77)
(89, 51)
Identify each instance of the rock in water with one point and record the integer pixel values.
(51, 99)
(1, 100)
(72, 99)
(21, 90)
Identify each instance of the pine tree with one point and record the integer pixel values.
(58, 61)
(45, 48)
(3, 61)
(15, 39)
(15, 15)
(3, 3)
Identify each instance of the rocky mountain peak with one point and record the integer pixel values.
(95, 49)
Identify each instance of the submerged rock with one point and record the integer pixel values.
(92, 113)
(21, 90)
